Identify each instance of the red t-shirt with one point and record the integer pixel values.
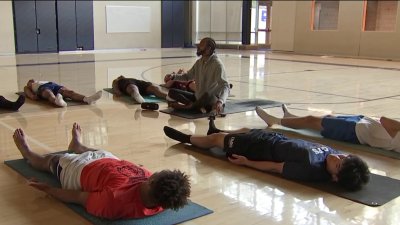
(114, 189)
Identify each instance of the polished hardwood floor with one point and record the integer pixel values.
(309, 84)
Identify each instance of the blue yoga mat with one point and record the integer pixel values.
(128, 99)
(167, 217)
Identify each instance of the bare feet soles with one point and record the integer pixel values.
(75, 145)
(20, 142)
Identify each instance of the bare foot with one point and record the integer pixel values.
(20, 142)
(75, 144)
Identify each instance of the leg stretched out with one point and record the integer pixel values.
(212, 139)
(76, 145)
(290, 120)
(39, 162)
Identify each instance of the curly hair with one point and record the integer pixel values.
(354, 173)
(170, 189)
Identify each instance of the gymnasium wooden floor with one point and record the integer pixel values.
(310, 84)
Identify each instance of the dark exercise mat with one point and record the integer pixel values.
(67, 100)
(128, 99)
(317, 137)
(231, 106)
(167, 217)
(378, 191)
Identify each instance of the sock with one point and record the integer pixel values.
(176, 135)
(211, 127)
(137, 97)
(60, 101)
(286, 112)
(20, 101)
(6, 104)
(93, 98)
(270, 120)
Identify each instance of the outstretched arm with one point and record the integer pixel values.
(267, 166)
(391, 126)
(29, 93)
(70, 196)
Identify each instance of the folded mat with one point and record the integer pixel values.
(231, 106)
(167, 217)
(378, 191)
(67, 100)
(320, 139)
(128, 99)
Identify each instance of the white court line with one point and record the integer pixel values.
(28, 138)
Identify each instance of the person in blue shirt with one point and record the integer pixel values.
(273, 152)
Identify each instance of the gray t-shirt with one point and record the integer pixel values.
(210, 77)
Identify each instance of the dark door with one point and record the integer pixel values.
(178, 24)
(25, 26)
(66, 25)
(84, 25)
(166, 23)
(46, 24)
(174, 23)
(51, 26)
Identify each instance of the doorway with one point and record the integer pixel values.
(53, 25)
(261, 12)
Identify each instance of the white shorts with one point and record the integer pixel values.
(73, 164)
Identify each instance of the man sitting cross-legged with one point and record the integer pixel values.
(273, 152)
(105, 185)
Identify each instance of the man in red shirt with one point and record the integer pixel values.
(105, 185)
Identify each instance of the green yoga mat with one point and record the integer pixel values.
(378, 191)
(67, 100)
(317, 137)
(231, 106)
(128, 99)
(167, 217)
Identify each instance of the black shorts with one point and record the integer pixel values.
(142, 85)
(53, 87)
(256, 145)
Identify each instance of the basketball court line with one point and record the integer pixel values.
(28, 138)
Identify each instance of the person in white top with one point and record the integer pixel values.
(55, 93)
(358, 129)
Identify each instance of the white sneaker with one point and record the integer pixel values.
(93, 98)
(137, 97)
(60, 101)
